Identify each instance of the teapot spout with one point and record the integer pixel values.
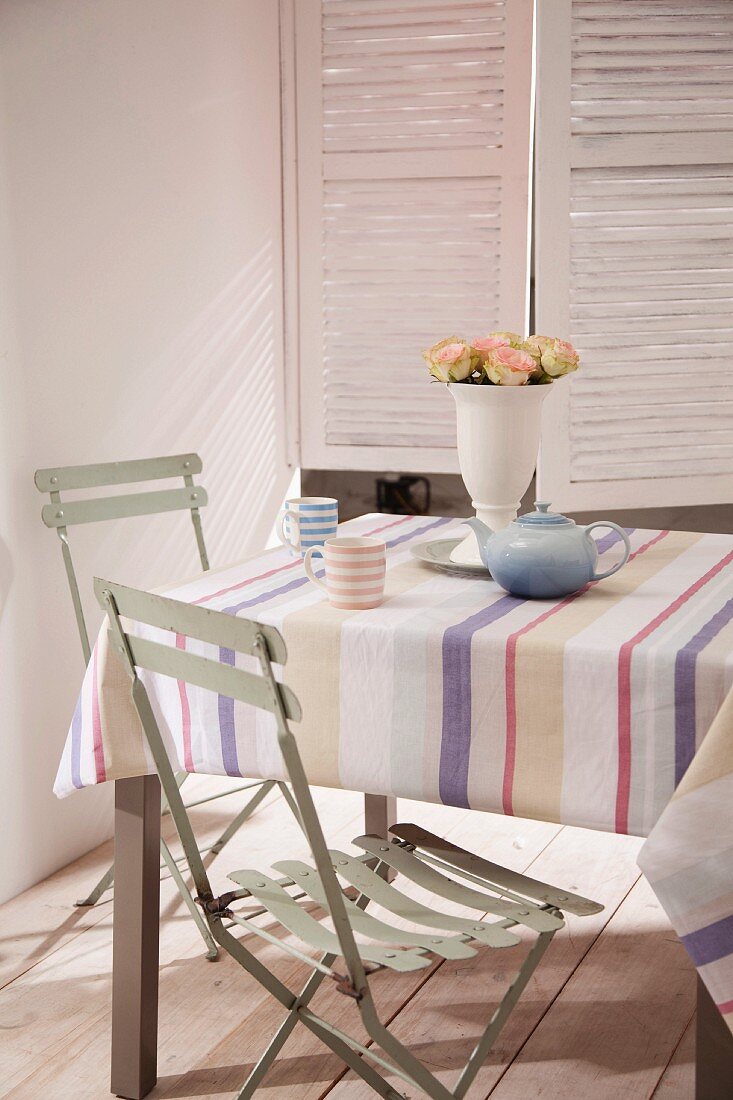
(483, 534)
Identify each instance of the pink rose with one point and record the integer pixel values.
(507, 366)
(451, 360)
(451, 353)
(489, 344)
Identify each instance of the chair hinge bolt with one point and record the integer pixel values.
(218, 907)
(344, 985)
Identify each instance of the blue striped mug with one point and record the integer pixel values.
(307, 521)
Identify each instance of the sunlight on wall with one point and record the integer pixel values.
(141, 268)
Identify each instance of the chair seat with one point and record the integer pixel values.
(432, 863)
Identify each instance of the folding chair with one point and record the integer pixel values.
(62, 514)
(451, 873)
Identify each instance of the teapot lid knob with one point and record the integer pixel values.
(543, 517)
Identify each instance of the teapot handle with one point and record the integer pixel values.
(614, 568)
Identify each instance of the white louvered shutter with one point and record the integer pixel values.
(413, 161)
(634, 251)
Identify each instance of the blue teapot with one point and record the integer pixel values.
(543, 555)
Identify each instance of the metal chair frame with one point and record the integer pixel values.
(415, 854)
(62, 514)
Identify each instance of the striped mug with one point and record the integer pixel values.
(307, 521)
(355, 569)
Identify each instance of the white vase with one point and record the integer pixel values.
(498, 440)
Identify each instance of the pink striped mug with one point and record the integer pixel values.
(355, 569)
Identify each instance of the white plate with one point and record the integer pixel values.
(437, 554)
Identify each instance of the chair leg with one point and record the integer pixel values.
(398, 1052)
(236, 823)
(102, 886)
(286, 1028)
(353, 1060)
(284, 1031)
(500, 1017)
(212, 951)
(288, 796)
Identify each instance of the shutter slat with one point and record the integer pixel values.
(640, 9)
(377, 8)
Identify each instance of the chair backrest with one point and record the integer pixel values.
(258, 689)
(62, 514)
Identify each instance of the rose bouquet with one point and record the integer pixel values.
(502, 359)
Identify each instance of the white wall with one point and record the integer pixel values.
(140, 284)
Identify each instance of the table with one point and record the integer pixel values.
(611, 709)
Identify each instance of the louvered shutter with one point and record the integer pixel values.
(413, 160)
(634, 217)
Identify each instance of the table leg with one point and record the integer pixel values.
(135, 937)
(380, 811)
(714, 1054)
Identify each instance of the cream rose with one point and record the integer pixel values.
(508, 366)
(559, 357)
(536, 346)
(451, 360)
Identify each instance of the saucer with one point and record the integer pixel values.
(438, 554)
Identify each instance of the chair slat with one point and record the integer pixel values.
(233, 683)
(384, 893)
(69, 513)
(500, 876)
(295, 918)
(193, 622)
(58, 478)
(407, 864)
(448, 947)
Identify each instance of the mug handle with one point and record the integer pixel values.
(280, 528)
(627, 544)
(309, 568)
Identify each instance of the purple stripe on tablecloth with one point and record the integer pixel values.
(684, 688)
(76, 745)
(711, 943)
(455, 746)
(226, 656)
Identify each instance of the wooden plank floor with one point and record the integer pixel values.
(607, 1015)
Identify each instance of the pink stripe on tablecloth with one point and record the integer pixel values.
(185, 713)
(725, 1007)
(99, 765)
(623, 790)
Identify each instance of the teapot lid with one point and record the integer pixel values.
(543, 517)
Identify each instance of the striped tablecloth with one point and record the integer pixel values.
(610, 709)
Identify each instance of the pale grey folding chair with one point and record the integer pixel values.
(451, 873)
(62, 514)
